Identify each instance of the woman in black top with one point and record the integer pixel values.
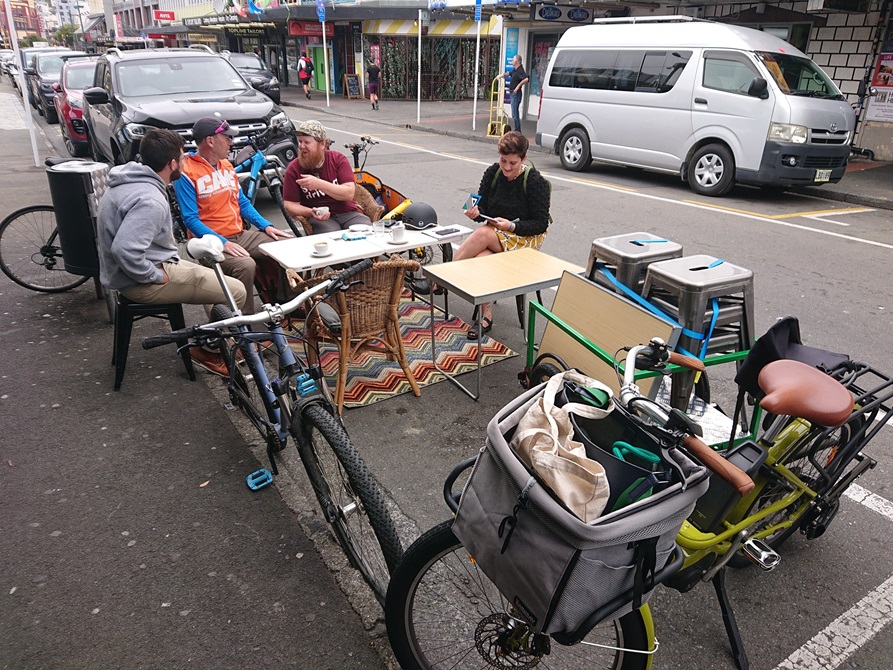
(517, 198)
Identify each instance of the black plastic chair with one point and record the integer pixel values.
(126, 313)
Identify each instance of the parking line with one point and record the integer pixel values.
(873, 502)
(821, 212)
(844, 636)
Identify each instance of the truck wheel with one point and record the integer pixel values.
(711, 170)
(574, 150)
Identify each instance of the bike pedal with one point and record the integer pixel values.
(259, 479)
(761, 554)
(306, 385)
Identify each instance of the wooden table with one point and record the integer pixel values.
(488, 278)
(297, 253)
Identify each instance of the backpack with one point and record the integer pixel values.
(307, 68)
(524, 183)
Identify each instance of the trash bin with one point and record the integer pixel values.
(76, 188)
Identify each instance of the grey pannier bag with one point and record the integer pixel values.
(553, 568)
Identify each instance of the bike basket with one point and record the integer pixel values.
(553, 568)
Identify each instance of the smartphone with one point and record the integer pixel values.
(446, 231)
(488, 218)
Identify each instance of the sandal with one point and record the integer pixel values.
(486, 325)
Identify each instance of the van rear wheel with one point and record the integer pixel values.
(711, 170)
(574, 150)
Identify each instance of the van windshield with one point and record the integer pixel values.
(796, 75)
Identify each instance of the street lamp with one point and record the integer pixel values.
(81, 21)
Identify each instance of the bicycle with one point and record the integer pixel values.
(800, 466)
(293, 400)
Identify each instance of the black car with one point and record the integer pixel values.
(173, 88)
(41, 77)
(256, 73)
(26, 63)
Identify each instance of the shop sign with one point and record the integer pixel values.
(880, 105)
(308, 28)
(211, 20)
(246, 31)
(161, 15)
(201, 37)
(556, 14)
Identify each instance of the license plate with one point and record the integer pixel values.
(823, 175)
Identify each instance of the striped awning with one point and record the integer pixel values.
(436, 29)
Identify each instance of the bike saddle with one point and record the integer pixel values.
(796, 389)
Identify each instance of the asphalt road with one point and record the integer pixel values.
(822, 261)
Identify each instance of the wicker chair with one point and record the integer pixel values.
(365, 202)
(369, 319)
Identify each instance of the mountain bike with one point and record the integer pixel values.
(443, 611)
(283, 396)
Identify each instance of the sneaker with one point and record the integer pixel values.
(212, 362)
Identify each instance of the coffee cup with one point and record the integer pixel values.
(319, 212)
(321, 248)
(398, 233)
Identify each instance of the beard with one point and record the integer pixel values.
(175, 175)
(312, 159)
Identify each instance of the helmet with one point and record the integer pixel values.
(419, 216)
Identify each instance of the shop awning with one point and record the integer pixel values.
(442, 28)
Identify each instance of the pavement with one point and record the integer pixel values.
(867, 183)
(129, 537)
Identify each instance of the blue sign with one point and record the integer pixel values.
(321, 10)
(477, 10)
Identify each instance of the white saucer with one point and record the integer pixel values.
(393, 242)
(328, 253)
(360, 228)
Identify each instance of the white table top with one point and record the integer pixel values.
(297, 253)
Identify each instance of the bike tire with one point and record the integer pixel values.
(276, 193)
(441, 611)
(350, 498)
(30, 253)
(797, 462)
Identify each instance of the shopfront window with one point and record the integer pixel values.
(541, 51)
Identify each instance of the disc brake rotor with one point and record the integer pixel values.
(504, 642)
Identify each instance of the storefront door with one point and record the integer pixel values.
(541, 47)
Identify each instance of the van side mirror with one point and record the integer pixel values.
(759, 88)
(96, 96)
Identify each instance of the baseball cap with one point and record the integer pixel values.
(209, 126)
(312, 129)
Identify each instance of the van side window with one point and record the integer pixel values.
(728, 72)
(624, 70)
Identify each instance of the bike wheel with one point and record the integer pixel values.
(350, 498)
(442, 612)
(30, 253)
(276, 192)
(799, 463)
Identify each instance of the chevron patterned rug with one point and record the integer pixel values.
(372, 378)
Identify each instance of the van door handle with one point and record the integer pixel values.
(701, 101)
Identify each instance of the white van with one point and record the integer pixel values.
(715, 103)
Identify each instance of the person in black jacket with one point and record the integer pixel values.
(514, 203)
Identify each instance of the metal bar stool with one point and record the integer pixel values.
(126, 313)
(627, 257)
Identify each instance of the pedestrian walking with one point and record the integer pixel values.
(373, 77)
(305, 72)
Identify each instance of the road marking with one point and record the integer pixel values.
(821, 212)
(870, 500)
(620, 189)
(847, 634)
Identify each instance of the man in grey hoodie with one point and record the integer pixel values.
(138, 253)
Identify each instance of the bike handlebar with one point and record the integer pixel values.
(631, 398)
(268, 313)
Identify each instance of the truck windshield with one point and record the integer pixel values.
(796, 75)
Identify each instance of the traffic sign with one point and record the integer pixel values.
(477, 10)
(321, 10)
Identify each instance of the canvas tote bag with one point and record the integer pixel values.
(544, 441)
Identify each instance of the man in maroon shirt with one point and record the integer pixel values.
(319, 183)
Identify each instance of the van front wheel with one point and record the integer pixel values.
(574, 150)
(711, 170)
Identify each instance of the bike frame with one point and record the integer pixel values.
(253, 170)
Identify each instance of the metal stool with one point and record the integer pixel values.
(126, 313)
(627, 257)
(684, 289)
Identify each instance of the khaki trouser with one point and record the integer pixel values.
(188, 283)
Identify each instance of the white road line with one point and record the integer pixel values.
(627, 191)
(843, 637)
(873, 502)
(836, 223)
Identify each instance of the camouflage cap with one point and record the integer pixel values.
(312, 129)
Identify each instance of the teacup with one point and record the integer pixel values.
(320, 212)
(321, 248)
(398, 233)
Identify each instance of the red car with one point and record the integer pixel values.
(77, 74)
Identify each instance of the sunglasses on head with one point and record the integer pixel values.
(223, 127)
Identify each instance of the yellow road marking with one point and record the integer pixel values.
(580, 180)
(819, 212)
(725, 209)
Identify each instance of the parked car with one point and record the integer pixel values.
(173, 88)
(27, 63)
(256, 73)
(6, 56)
(41, 77)
(68, 101)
